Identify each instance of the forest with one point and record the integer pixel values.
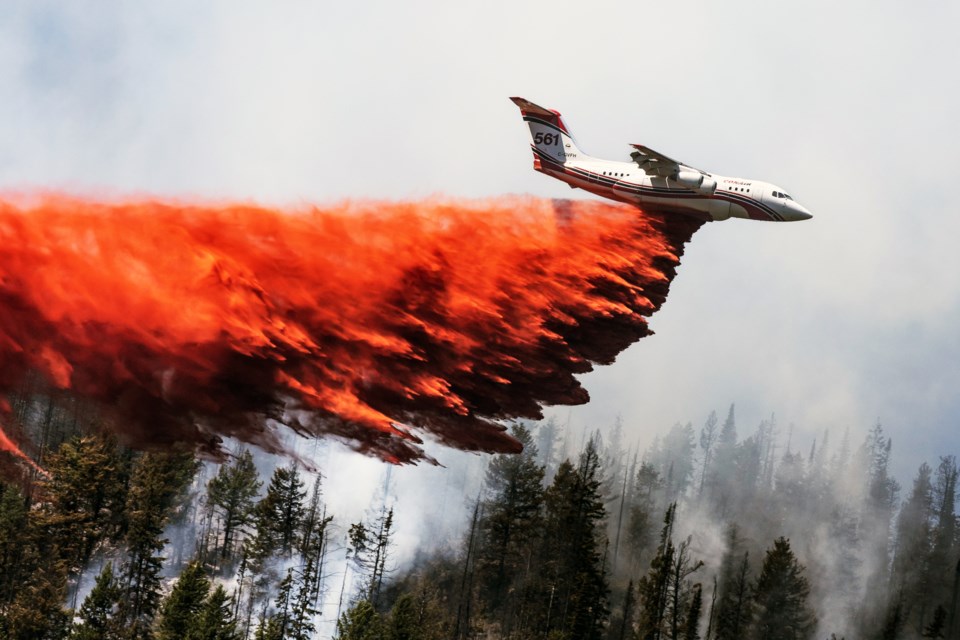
(713, 532)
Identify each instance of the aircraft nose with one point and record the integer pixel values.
(794, 211)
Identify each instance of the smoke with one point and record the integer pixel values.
(366, 321)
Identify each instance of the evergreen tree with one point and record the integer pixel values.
(182, 608)
(673, 459)
(667, 596)
(734, 609)
(722, 473)
(302, 613)
(654, 586)
(781, 593)
(314, 542)
(512, 513)
(360, 622)
(548, 447)
(790, 490)
(98, 611)
(404, 621)
(380, 552)
(37, 611)
(944, 534)
(641, 527)
(279, 514)
(691, 626)
(231, 494)
(681, 593)
(913, 547)
(13, 540)
(215, 620)
(284, 606)
(572, 562)
(708, 437)
(84, 497)
(157, 484)
(880, 502)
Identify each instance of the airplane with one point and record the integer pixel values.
(652, 182)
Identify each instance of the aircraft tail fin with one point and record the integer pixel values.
(550, 139)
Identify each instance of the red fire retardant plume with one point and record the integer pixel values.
(369, 321)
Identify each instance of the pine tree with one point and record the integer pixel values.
(790, 490)
(722, 473)
(283, 605)
(403, 623)
(653, 587)
(279, 515)
(182, 608)
(13, 541)
(914, 544)
(314, 543)
(380, 552)
(667, 597)
(157, 484)
(84, 497)
(548, 446)
(644, 512)
(98, 611)
(573, 566)
(734, 609)
(672, 457)
(708, 437)
(231, 494)
(944, 534)
(511, 519)
(881, 500)
(215, 620)
(681, 593)
(37, 611)
(781, 597)
(691, 625)
(302, 612)
(360, 622)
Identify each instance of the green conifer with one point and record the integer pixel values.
(781, 597)
(98, 611)
(360, 622)
(181, 609)
(215, 620)
(231, 494)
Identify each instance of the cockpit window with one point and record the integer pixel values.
(780, 194)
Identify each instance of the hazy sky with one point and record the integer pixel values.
(852, 107)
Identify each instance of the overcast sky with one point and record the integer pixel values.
(852, 107)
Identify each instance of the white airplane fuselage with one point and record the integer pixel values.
(623, 181)
(652, 182)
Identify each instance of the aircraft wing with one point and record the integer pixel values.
(654, 163)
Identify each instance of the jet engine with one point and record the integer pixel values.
(696, 180)
(709, 185)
